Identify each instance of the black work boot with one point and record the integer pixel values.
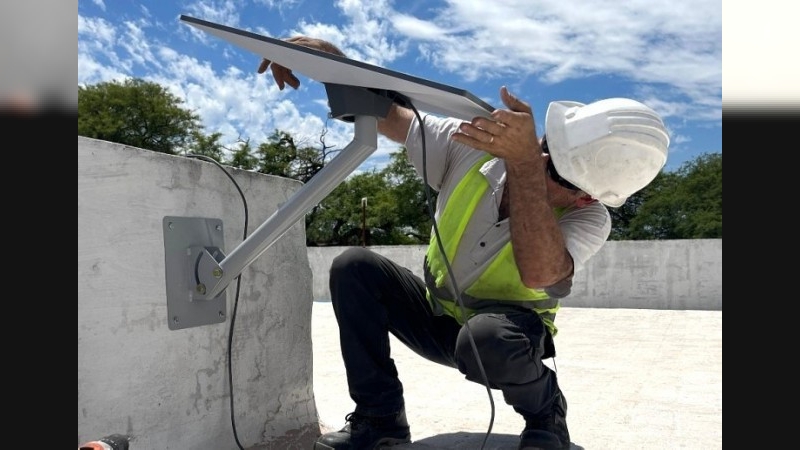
(367, 433)
(547, 431)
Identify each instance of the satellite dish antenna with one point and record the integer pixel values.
(358, 93)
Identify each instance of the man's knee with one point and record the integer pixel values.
(483, 331)
(350, 261)
(506, 353)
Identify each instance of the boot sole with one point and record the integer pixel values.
(385, 442)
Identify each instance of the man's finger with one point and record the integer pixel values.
(264, 64)
(293, 80)
(512, 102)
(278, 75)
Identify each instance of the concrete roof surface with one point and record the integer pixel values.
(633, 379)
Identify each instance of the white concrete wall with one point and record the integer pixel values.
(169, 389)
(675, 275)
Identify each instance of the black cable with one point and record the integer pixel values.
(236, 298)
(450, 270)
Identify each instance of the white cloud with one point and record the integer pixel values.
(225, 12)
(417, 29)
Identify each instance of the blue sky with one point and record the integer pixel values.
(665, 53)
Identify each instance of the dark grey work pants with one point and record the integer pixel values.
(372, 296)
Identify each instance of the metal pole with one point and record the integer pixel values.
(364, 143)
(364, 221)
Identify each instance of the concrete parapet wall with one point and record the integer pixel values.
(672, 275)
(169, 388)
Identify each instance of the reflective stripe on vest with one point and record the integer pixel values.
(500, 285)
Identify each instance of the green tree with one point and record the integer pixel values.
(137, 113)
(703, 190)
(337, 219)
(684, 204)
(282, 156)
(207, 145)
(621, 217)
(377, 208)
(411, 198)
(242, 157)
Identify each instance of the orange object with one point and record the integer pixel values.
(112, 442)
(95, 445)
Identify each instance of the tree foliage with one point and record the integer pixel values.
(339, 217)
(684, 204)
(137, 113)
(413, 201)
(208, 145)
(373, 208)
(281, 155)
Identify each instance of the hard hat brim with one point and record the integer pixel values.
(556, 131)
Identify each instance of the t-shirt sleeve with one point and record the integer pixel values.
(437, 132)
(585, 231)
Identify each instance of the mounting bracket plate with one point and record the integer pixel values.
(187, 240)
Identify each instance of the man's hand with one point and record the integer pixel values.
(539, 249)
(509, 134)
(283, 75)
(394, 126)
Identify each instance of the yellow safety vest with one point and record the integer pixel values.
(500, 284)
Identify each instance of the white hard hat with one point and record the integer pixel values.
(610, 149)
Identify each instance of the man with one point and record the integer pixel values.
(516, 217)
